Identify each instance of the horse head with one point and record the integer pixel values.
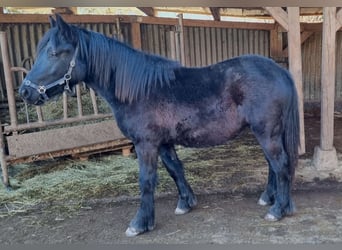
(57, 67)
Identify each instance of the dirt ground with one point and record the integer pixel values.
(220, 217)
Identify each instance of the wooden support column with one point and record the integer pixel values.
(276, 42)
(290, 22)
(3, 162)
(8, 78)
(295, 66)
(181, 38)
(136, 35)
(325, 157)
(339, 19)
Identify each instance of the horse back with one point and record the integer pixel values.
(210, 105)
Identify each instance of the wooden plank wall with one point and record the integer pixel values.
(312, 58)
(203, 45)
(206, 45)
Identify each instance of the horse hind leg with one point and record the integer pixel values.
(283, 204)
(267, 197)
(280, 180)
(187, 200)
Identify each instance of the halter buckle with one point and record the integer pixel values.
(41, 89)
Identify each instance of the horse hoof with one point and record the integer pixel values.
(261, 202)
(180, 211)
(131, 232)
(271, 217)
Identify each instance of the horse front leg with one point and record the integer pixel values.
(174, 166)
(144, 218)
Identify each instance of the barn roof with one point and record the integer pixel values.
(312, 14)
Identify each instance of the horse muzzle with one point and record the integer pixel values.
(30, 95)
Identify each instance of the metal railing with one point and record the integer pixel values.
(15, 127)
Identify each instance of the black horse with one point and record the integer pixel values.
(157, 103)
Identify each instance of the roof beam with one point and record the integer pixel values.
(280, 16)
(65, 10)
(147, 10)
(339, 19)
(215, 11)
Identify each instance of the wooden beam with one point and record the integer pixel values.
(43, 18)
(3, 162)
(295, 66)
(339, 19)
(136, 35)
(279, 15)
(303, 37)
(328, 78)
(276, 42)
(65, 10)
(215, 11)
(181, 39)
(147, 10)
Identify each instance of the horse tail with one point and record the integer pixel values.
(291, 131)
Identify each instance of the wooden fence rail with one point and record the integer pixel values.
(40, 139)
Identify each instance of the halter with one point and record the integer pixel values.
(64, 80)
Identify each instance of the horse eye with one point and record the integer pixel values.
(53, 53)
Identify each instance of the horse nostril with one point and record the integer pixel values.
(24, 93)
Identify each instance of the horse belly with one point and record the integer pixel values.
(210, 123)
(210, 134)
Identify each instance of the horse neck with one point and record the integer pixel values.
(100, 58)
(127, 73)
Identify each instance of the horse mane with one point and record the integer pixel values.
(135, 73)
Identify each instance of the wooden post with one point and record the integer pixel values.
(119, 34)
(328, 78)
(325, 155)
(339, 19)
(65, 105)
(173, 45)
(276, 42)
(79, 100)
(279, 15)
(93, 101)
(8, 78)
(181, 38)
(3, 161)
(295, 66)
(126, 151)
(136, 35)
(290, 22)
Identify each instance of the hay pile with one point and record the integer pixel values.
(53, 110)
(235, 167)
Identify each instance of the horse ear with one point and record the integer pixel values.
(52, 22)
(63, 27)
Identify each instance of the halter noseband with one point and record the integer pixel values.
(64, 80)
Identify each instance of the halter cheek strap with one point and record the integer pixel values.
(41, 89)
